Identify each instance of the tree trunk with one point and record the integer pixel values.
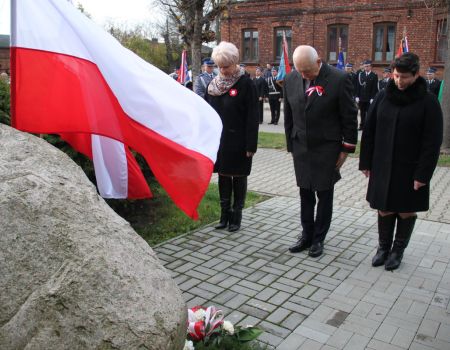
(196, 45)
(169, 51)
(445, 103)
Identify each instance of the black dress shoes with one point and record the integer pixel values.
(316, 249)
(300, 246)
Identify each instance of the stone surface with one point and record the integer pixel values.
(74, 275)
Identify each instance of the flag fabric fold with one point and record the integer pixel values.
(183, 77)
(403, 47)
(285, 67)
(340, 62)
(70, 77)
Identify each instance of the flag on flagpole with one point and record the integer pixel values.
(285, 67)
(340, 61)
(403, 47)
(70, 77)
(183, 77)
(441, 91)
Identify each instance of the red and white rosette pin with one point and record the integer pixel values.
(318, 89)
(233, 92)
(202, 321)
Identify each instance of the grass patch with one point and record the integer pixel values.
(158, 219)
(271, 140)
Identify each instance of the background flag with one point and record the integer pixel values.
(403, 47)
(340, 61)
(70, 77)
(285, 67)
(184, 76)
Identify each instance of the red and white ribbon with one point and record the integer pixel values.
(319, 89)
(198, 329)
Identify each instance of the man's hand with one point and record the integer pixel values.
(357, 99)
(250, 154)
(371, 100)
(418, 185)
(260, 98)
(341, 159)
(366, 173)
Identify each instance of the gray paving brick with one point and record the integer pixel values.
(292, 342)
(279, 298)
(309, 333)
(293, 320)
(403, 338)
(339, 338)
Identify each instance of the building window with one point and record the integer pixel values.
(337, 36)
(250, 47)
(384, 42)
(279, 41)
(442, 43)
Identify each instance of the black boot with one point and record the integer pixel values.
(405, 228)
(225, 188)
(240, 192)
(386, 227)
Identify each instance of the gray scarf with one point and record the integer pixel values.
(221, 84)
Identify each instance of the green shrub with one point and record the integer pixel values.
(5, 103)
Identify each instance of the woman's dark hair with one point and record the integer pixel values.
(408, 62)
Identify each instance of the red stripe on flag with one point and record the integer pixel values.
(55, 93)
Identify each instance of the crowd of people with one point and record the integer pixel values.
(402, 125)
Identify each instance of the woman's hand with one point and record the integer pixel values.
(366, 173)
(418, 185)
(250, 154)
(341, 159)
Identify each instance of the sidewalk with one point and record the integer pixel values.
(336, 301)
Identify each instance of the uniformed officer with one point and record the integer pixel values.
(434, 84)
(353, 76)
(382, 83)
(275, 96)
(203, 80)
(262, 90)
(366, 90)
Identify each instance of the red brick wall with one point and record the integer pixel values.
(309, 20)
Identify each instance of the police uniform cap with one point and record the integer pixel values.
(274, 69)
(349, 65)
(387, 70)
(242, 65)
(367, 62)
(431, 70)
(208, 62)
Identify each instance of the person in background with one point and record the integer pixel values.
(275, 95)
(233, 95)
(399, 151)
(434, 85)
(320, 120)
(382, 83)
(366, 90)
(353, 77)
(203, 80)
(268, 71)
(261, 90)
(242, 65)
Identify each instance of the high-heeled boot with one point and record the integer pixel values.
(405, 228)
(386, 227)
(239, 193)
(225, 190)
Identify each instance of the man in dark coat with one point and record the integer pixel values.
(366, 90)
(434, 85)
(275, 95)
(261, 90)
(382, 83)
(321, 129)
(353, 77)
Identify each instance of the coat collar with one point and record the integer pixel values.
(321, 80)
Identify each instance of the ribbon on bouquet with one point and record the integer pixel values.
(319, 89)
(198, 329)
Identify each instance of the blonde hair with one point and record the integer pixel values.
(225, 54)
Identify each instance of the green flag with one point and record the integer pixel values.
(440, 91)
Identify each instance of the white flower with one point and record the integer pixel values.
(228, 326)
(200, 314)
(188, 345)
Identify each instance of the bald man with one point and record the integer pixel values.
(321, 129)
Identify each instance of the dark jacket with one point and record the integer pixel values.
(317, 126)
(354, 79)
(275, 90)
(237, 109)
(261, 87)
(434, 86)
(367, 86)
(382, 83)
(400, 143)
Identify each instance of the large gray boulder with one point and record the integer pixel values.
(73, 274)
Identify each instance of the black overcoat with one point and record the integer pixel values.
(367, 86)
(400, 144)
(434, 86)
(261, 87)
(238, 111)
(317, 126)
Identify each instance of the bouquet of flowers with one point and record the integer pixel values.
(207, 329)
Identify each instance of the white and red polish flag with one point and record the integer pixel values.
(70, 77)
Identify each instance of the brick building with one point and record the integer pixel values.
(366, 29)
(4, 53)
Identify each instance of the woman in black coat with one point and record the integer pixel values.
(399, 152)
(233, 95)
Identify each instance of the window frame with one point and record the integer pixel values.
(385, 26)
(339, 27)
(277, 58)
(250, 59)
(441, 36)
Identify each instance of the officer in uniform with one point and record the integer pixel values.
(275, 96)
(261, 90)
(203, 80)
(382, 83)
(366, 90)
(434, 85)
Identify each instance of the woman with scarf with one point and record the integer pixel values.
(399, 151)
(233, 95)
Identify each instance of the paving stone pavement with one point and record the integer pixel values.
(336, 301)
